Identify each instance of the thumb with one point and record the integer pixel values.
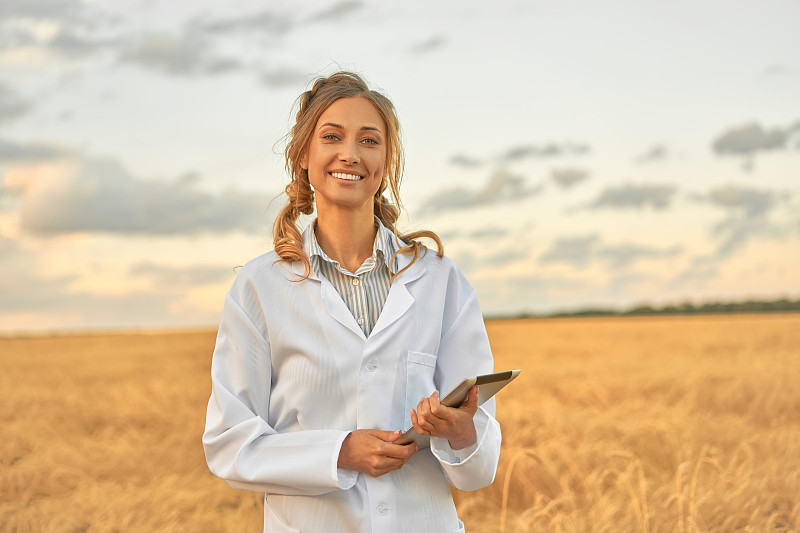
(387, 436)
(471, 405)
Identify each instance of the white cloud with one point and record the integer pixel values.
(100, 195)
(566, 178)
(502, 186)
(630, 196)
(751, 138)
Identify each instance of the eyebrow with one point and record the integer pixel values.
(369, 128)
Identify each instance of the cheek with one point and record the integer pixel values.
(377, 164)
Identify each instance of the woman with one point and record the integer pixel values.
(342, 337)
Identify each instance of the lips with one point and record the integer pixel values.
(346, 176)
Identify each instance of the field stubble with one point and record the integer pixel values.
(658, 424)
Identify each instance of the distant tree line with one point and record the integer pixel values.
(784, 305)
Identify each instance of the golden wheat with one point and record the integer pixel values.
(677, 424)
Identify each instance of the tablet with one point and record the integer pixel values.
(489, 385)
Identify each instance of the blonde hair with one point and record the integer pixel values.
(311, 104)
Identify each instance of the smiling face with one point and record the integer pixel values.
(346, 156)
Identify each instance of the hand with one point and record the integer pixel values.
(452, 423)
(371, 451)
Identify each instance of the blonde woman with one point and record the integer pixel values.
(341, 338)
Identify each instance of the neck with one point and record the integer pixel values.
(346, 236)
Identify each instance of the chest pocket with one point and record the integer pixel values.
(419, 381)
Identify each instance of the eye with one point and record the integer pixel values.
(370, 140)
(330, 137)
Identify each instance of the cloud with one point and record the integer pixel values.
(100, 195)
(184, 55)
(284, 77)
(530, 293)
(75, 44)
(266, 22)
(428, 45)
(574, 251)
(501, 187)
(41, 9)
(748, 213)
(460, 160)
(14, 37)
(12, 106)
(635, 197)
(168, 276)
(54, 302)
(13, 152)
(489, 233)
(625, 254)
(61, 26)
(580, 251)
(542, 151)
(701, 270)
(568, 177)
(748, 201)
(655, 153)
(749, 139)
(469, 263)
(336, 11)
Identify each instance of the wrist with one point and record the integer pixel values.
(468, 438)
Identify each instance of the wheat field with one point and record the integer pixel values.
(658, 424)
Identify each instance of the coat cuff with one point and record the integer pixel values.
(473, 467)
(345, 478)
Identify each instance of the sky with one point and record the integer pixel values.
(570, 154)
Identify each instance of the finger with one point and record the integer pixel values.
(425, 410)
(435, 399)
(397, 451)
(390, 464)
(417, 425)
(393, 462)
(424, 406)
(387, 436)
(422, 427)
(382, 471)
(471, 405)
(435, 405)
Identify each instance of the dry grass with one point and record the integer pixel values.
(635, 424)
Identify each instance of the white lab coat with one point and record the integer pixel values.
(292, 373)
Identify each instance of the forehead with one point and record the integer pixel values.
(352, 113)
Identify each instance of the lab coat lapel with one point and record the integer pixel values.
(399, 299)
(333, 302)
(338, 309)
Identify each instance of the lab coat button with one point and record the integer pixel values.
(371, 366)
(382, 510)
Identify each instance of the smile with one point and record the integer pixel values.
(348, 177)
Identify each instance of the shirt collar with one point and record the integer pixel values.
(384, 245)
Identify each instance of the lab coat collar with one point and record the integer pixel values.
(398, 302)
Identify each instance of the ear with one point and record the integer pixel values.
(304, 160)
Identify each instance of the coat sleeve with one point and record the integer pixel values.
(240, 445)
(465, 351)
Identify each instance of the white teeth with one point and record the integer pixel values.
(343, 176)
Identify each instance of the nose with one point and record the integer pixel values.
(349, 153)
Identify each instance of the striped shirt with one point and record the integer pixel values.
(365, 290)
